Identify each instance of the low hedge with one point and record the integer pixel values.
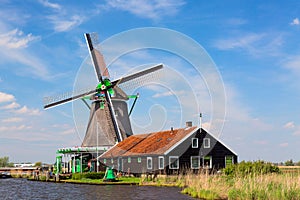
(88, 175)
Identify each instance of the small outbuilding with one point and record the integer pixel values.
(169, 152)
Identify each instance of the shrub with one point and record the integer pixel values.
(94, 175)
(89, 175)
(247, 168)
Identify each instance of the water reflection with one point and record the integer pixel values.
(23, 189)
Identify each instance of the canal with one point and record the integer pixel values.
(22, 189)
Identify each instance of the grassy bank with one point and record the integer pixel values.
(89, 178)
(120, 181)
(252, 186)
(246, 180)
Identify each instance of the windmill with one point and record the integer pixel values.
(109, 118)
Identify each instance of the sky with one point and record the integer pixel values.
(248, 94)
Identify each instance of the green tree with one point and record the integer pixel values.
(38, 164)
(4, 162)
(289, 163)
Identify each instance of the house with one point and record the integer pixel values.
(168, 152)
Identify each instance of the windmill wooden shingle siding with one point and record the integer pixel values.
(169, 152)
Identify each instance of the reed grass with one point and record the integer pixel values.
(260, 186)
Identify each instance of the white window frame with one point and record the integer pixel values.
(151, 164)
(231, 159)
(111, 160)
(104, 160)
(170, 163)
(206, 140)
(139, 159)
(195, 139)
(210, 162)
(161, 163)
(129, 160)
(198, 157)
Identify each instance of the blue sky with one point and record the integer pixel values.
(254, 46)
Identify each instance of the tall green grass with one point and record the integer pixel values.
(245, 181)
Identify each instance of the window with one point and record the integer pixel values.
(161, 164)
(139, 160)
(149, 162)
(104, 161)
(129, 159)
(228, 160)
(195, 162)
(112, 161)
(194, 142)
(207, 162)
(120, 164)
(206, 142)
(174, 162)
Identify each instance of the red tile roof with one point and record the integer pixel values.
(152, 143)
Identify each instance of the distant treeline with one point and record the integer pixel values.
(4, 162)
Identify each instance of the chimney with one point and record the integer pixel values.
(172, 130)
(189, 124)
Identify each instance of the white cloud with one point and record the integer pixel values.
(6, 97)
(64, 129)
(293, 64)
(285, 144)
(68, 131)
(169, 93)
(295, 21)
(206, 125)
(48, 4)
(236, 21)
(261, 142)
(12, 120)
(292, 127)
(244, 41)
(16, 39)
(13, 49)
(297, 131)
(14, 128)
(35, 65)
(25, 110)
(61, 25)
(152, 9)
(289, 125)
(10, 106)
(256, 44)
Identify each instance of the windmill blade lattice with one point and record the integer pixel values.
(64, 98)
(144, 79)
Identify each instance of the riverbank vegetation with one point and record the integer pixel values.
(86, 178)
(246, 180)
(97, 178)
